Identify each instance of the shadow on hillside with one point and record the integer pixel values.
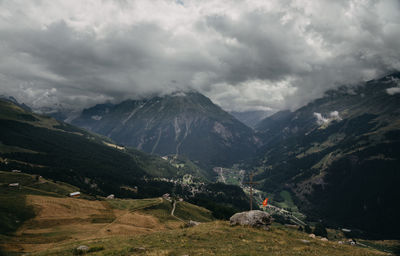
(396, 250)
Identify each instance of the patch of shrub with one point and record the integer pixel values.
(307, 229)
(320, 230)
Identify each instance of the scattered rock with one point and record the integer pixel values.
(192, 223)
(311, 235)
(252, 218)
(351, 241)
(82, 248)
(305, 241)
(324, 239)
(340, 242)
(138, 249)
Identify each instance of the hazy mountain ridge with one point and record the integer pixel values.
(339, 155)
(183, 123)
(14, 101)
(252, 117)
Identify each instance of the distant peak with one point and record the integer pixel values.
(179, 94)
(15, 101)
(184, 93)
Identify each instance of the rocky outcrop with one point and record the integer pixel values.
(257, 219)
(192, 223)
(82, 249)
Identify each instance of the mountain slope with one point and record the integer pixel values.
(38, 214)
(339, 155)
(42, 145)
(49, 223)
(183, 124)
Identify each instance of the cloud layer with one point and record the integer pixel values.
(321, 120)
(245, 55)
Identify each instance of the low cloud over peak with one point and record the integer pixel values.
(244, 55)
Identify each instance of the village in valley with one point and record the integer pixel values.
(142, 218)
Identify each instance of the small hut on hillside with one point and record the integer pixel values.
(75, 194)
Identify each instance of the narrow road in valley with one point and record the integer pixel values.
(221, 174)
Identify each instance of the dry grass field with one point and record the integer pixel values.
(216, 238)
(62, 220)
(57, 224)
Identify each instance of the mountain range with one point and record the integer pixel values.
(186, 124)
(41, 145)
(339, 155)
(251, 117)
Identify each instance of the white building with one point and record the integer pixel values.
(75, 194)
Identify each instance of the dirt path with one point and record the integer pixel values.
(173, 211)
(173, 208)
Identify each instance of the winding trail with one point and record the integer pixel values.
(173, 211)
(173, 208)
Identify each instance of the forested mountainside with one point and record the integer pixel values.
(339, 155)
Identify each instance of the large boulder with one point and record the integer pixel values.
(192, 223)
(252, 218)
(82, 249)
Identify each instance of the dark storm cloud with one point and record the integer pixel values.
(243, 54)
(265, 48)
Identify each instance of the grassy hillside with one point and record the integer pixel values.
(13, 208)
(39, 214)
(218, 238)
(185, 166)
(42, 145)
(53, 224)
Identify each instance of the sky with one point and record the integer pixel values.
(244, 55)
